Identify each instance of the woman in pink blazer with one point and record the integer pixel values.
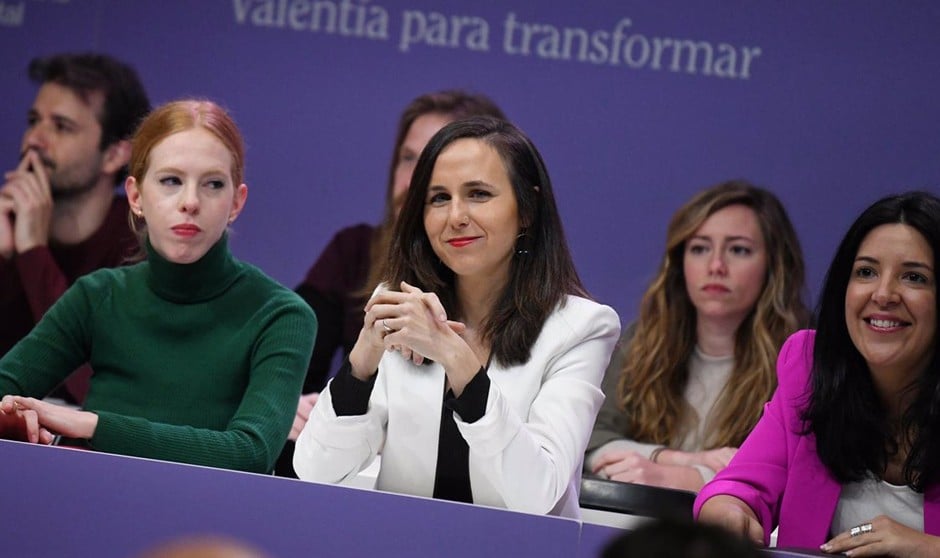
(847, 455)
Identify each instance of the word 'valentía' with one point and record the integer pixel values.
(343, 17)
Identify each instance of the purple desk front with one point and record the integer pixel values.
(61, 502)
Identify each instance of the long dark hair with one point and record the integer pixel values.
(539, 278)
(844, 412)
(452, 103)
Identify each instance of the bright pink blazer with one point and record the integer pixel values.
(777, 471)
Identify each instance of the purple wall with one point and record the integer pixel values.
(838, 108)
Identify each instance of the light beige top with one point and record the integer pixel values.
(707, 377)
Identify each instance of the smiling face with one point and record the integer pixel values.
(890, 302)
(471, 216)
(187, 195)
(725, 266)
(419, 133)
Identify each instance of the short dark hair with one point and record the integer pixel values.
(853, 435)
(539, 279)
(125, 101)
(667, 538)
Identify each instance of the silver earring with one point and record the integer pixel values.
(522, 243)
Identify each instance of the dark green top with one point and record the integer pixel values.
(199, 363)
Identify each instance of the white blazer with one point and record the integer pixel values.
(526, 451)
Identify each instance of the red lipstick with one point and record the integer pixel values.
(461, 241)
(186, 229)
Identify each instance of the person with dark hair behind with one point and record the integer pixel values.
(352, 264)
(60, 217)
(846, 457)
(668, 538)
(480, 282)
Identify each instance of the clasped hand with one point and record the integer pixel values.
(27, 195)
(672, 469)
(630, 466)
(412, 322)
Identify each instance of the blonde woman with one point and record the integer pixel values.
(689, 379)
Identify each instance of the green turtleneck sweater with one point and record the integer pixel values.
(199, 363)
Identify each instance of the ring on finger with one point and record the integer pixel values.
(385, 325)
(860, 529)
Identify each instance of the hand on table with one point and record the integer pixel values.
(55, 419)
(630, 466)
(883, 536)
(20, 423)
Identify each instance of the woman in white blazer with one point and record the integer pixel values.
(478, 368)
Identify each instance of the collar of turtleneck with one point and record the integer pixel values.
(199, 281)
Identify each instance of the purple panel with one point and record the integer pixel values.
(837, 109)
(73, 502)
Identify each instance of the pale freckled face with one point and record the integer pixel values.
(471, 216)
(725, 265)
(187, 196)
(890, 301)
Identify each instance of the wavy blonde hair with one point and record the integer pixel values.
(655, 372)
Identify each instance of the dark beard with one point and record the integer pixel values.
(61, 191)
(65, 192)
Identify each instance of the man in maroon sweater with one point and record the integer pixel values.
(60, 215)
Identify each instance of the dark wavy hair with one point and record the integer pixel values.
(125, 100)
(852, 430)
(538, 281)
